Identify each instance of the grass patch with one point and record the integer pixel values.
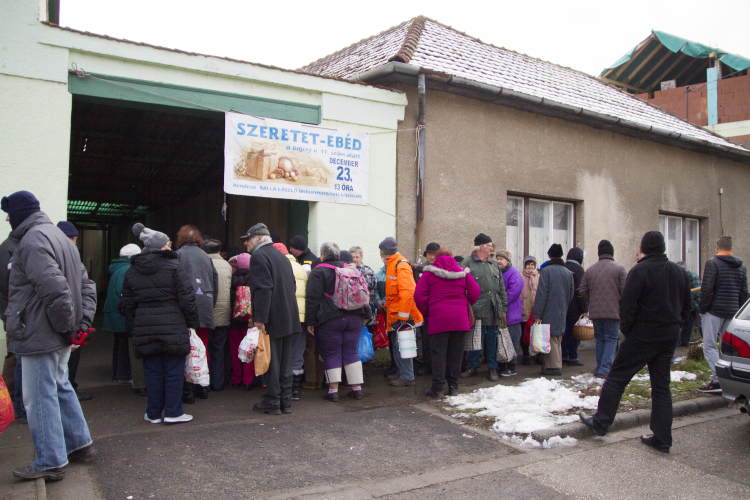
(642, 389)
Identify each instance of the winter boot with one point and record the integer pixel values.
(492, 375)
(470, 372)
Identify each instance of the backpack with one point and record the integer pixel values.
(350, 291)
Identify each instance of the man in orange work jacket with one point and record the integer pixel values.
(399, 300)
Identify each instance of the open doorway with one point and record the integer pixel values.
(163, 166)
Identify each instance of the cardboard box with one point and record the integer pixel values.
(260, 164)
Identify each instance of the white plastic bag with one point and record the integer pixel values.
(249, 345)
(196, 364)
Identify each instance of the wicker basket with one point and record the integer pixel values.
(581, 332)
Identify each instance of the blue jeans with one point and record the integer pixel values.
(18, 408)
(405, 366)
(56, 421)
(164, 374)
(606, 333)
(489, 345)
(569, 343)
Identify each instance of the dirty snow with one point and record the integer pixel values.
(680, 360)
(676, 376)
(546, 444)
(532, 405)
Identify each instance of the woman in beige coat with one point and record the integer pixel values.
(299, 341)
(528, 295)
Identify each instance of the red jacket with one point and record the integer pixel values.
(441, 296)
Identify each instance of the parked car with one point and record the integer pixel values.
(733, 369)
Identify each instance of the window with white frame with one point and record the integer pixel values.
(682, 235)
(533, 224)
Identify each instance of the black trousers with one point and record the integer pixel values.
(447, 351)
(120, 357)
(279, 375)
(426, 351)
(632, 356)
(217, 339)
(75, 358)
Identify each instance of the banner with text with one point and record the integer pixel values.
(281, 159)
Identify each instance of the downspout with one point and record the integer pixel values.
(420, 162)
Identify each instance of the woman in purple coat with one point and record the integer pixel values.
(514, 317)
(443, 295)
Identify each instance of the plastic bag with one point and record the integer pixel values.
(506, 351)
(196, 364)
(262, 353)
(242, 305)
(249, 345)
(540, 343)
(473, 341)
(6, 407)
(365, 350)
(380, 335)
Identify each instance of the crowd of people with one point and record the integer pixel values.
(314, 309)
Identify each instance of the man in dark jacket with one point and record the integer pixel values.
(51, 302)
(576, 307)
(10, 366)
(654, 303)
(304, 256)
(274, 302)
(723, 292)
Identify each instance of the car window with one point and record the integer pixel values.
(744, 313)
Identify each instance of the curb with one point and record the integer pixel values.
(632, 419)
(41, 489)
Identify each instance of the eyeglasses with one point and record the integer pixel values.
(169, 244)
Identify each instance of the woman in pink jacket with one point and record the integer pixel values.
(443, 295)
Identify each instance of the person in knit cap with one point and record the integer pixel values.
(556, 289)
(514, 318)
(50, 286)
(114, 322)
(68, 230)
(490, 310)
(601, 287)
(577, 307)
(158, 297)
(399, 305)
(305, 257)
(654, 304)
(242, 373)
(299, 340)
(528, 296)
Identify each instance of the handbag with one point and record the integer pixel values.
(473, 341)
(242, 305)
(263, 353)
(6, 407)
(540, 342)
(584, 328)
(380, 334)
(506, 351)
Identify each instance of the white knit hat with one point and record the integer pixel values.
(129, 250)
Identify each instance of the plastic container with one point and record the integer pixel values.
(407, 342)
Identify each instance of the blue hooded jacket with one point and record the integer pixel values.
(113, 320)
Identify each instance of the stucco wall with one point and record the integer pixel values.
(478, 152)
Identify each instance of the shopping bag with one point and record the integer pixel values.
(196, 364)
(506, 351)
(540, 339)
(262, 353)
(365, 349)
(249, 345)
(380, 335)
(473, 341)
(242, 306)
(6, 407)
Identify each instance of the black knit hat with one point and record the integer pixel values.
(606, 248)
(431, 248)
(575, 254)
(653, 242)
(389, 245)
(298, 242)
(67, 228)
(346, 257)
(19, 206)
(211, 246)
(482, 239)
(555, 251)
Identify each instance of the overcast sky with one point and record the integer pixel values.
(584, 35)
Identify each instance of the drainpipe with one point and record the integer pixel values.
(420, 162)
(712, 79)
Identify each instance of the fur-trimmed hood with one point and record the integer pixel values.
(449, 275)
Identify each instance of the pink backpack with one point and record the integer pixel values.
(350, 291)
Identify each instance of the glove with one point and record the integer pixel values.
(81, 336)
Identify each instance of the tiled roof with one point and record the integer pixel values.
(430, 45)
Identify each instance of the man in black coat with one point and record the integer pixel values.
(274, 308)
(723, 292)
(576, 307)
(304, 256)
(654, 303)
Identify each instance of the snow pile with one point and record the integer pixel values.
(586, 379)
(546, 444)
(532, 405)
(679, 360)
(676, 376)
